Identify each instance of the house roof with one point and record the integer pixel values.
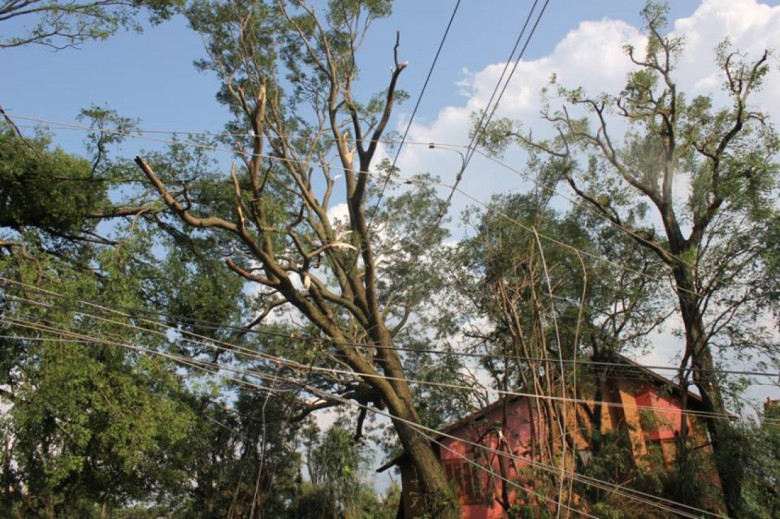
(618, 362)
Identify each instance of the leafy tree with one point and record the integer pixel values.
(288, 72)
(511, 271)
(339, 487)
(716, 244)
(535, 308)
(438, 365)
(337, 463)
(91, 428)
(763, 465)
(244, 460)
(88, 425)
(313, 501)
(61, 24)
(43, 189)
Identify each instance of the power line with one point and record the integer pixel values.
(419, 181)
(405, 180)
(214, 366)
(482, 127)
(204, 365)
(129, 312)
(318, 339)
(416, 106)
(421, 429)
(138, 134)
(758, 373)
(219, 345)
(587, 207)
(560, 243)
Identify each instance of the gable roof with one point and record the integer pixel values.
(617, 362)
(627, 365)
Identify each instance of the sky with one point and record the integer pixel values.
(150, 76)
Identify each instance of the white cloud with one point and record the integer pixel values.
(751, 27)
(593, 46)
(338, 213)
(590, 56)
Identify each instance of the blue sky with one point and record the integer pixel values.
(150, 76)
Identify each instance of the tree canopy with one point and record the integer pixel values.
(715, 240)
(59, 24)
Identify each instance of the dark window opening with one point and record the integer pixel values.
(667, 448)
(465, 477)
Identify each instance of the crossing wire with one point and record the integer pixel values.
(416, 106)
(405, 180)
(227, 347)
(138, 134)
(492, 110)
(655, 501)
(132, 312)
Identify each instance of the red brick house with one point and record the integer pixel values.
(633, 400)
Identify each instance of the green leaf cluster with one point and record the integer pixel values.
(44, 188)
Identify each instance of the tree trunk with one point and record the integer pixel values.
(699, 356)
(436, 496)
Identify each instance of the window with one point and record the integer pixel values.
(667, 448)
(465, 477)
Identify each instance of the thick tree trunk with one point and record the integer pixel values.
(436, 496)
(698, 355)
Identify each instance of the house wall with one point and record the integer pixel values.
(663, 426)
(515, 437)
(626, 403)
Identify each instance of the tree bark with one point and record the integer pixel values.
(436, 496)
(698, 360)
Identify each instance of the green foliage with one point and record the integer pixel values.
(337, 464)
(502, 273)
(242, 458)
(95, 428)
(754, 460)
(312, 504)
(89, 423)
(60, 24)
(44, 188)
(437, 404)
(203, 291)
(615, 465)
